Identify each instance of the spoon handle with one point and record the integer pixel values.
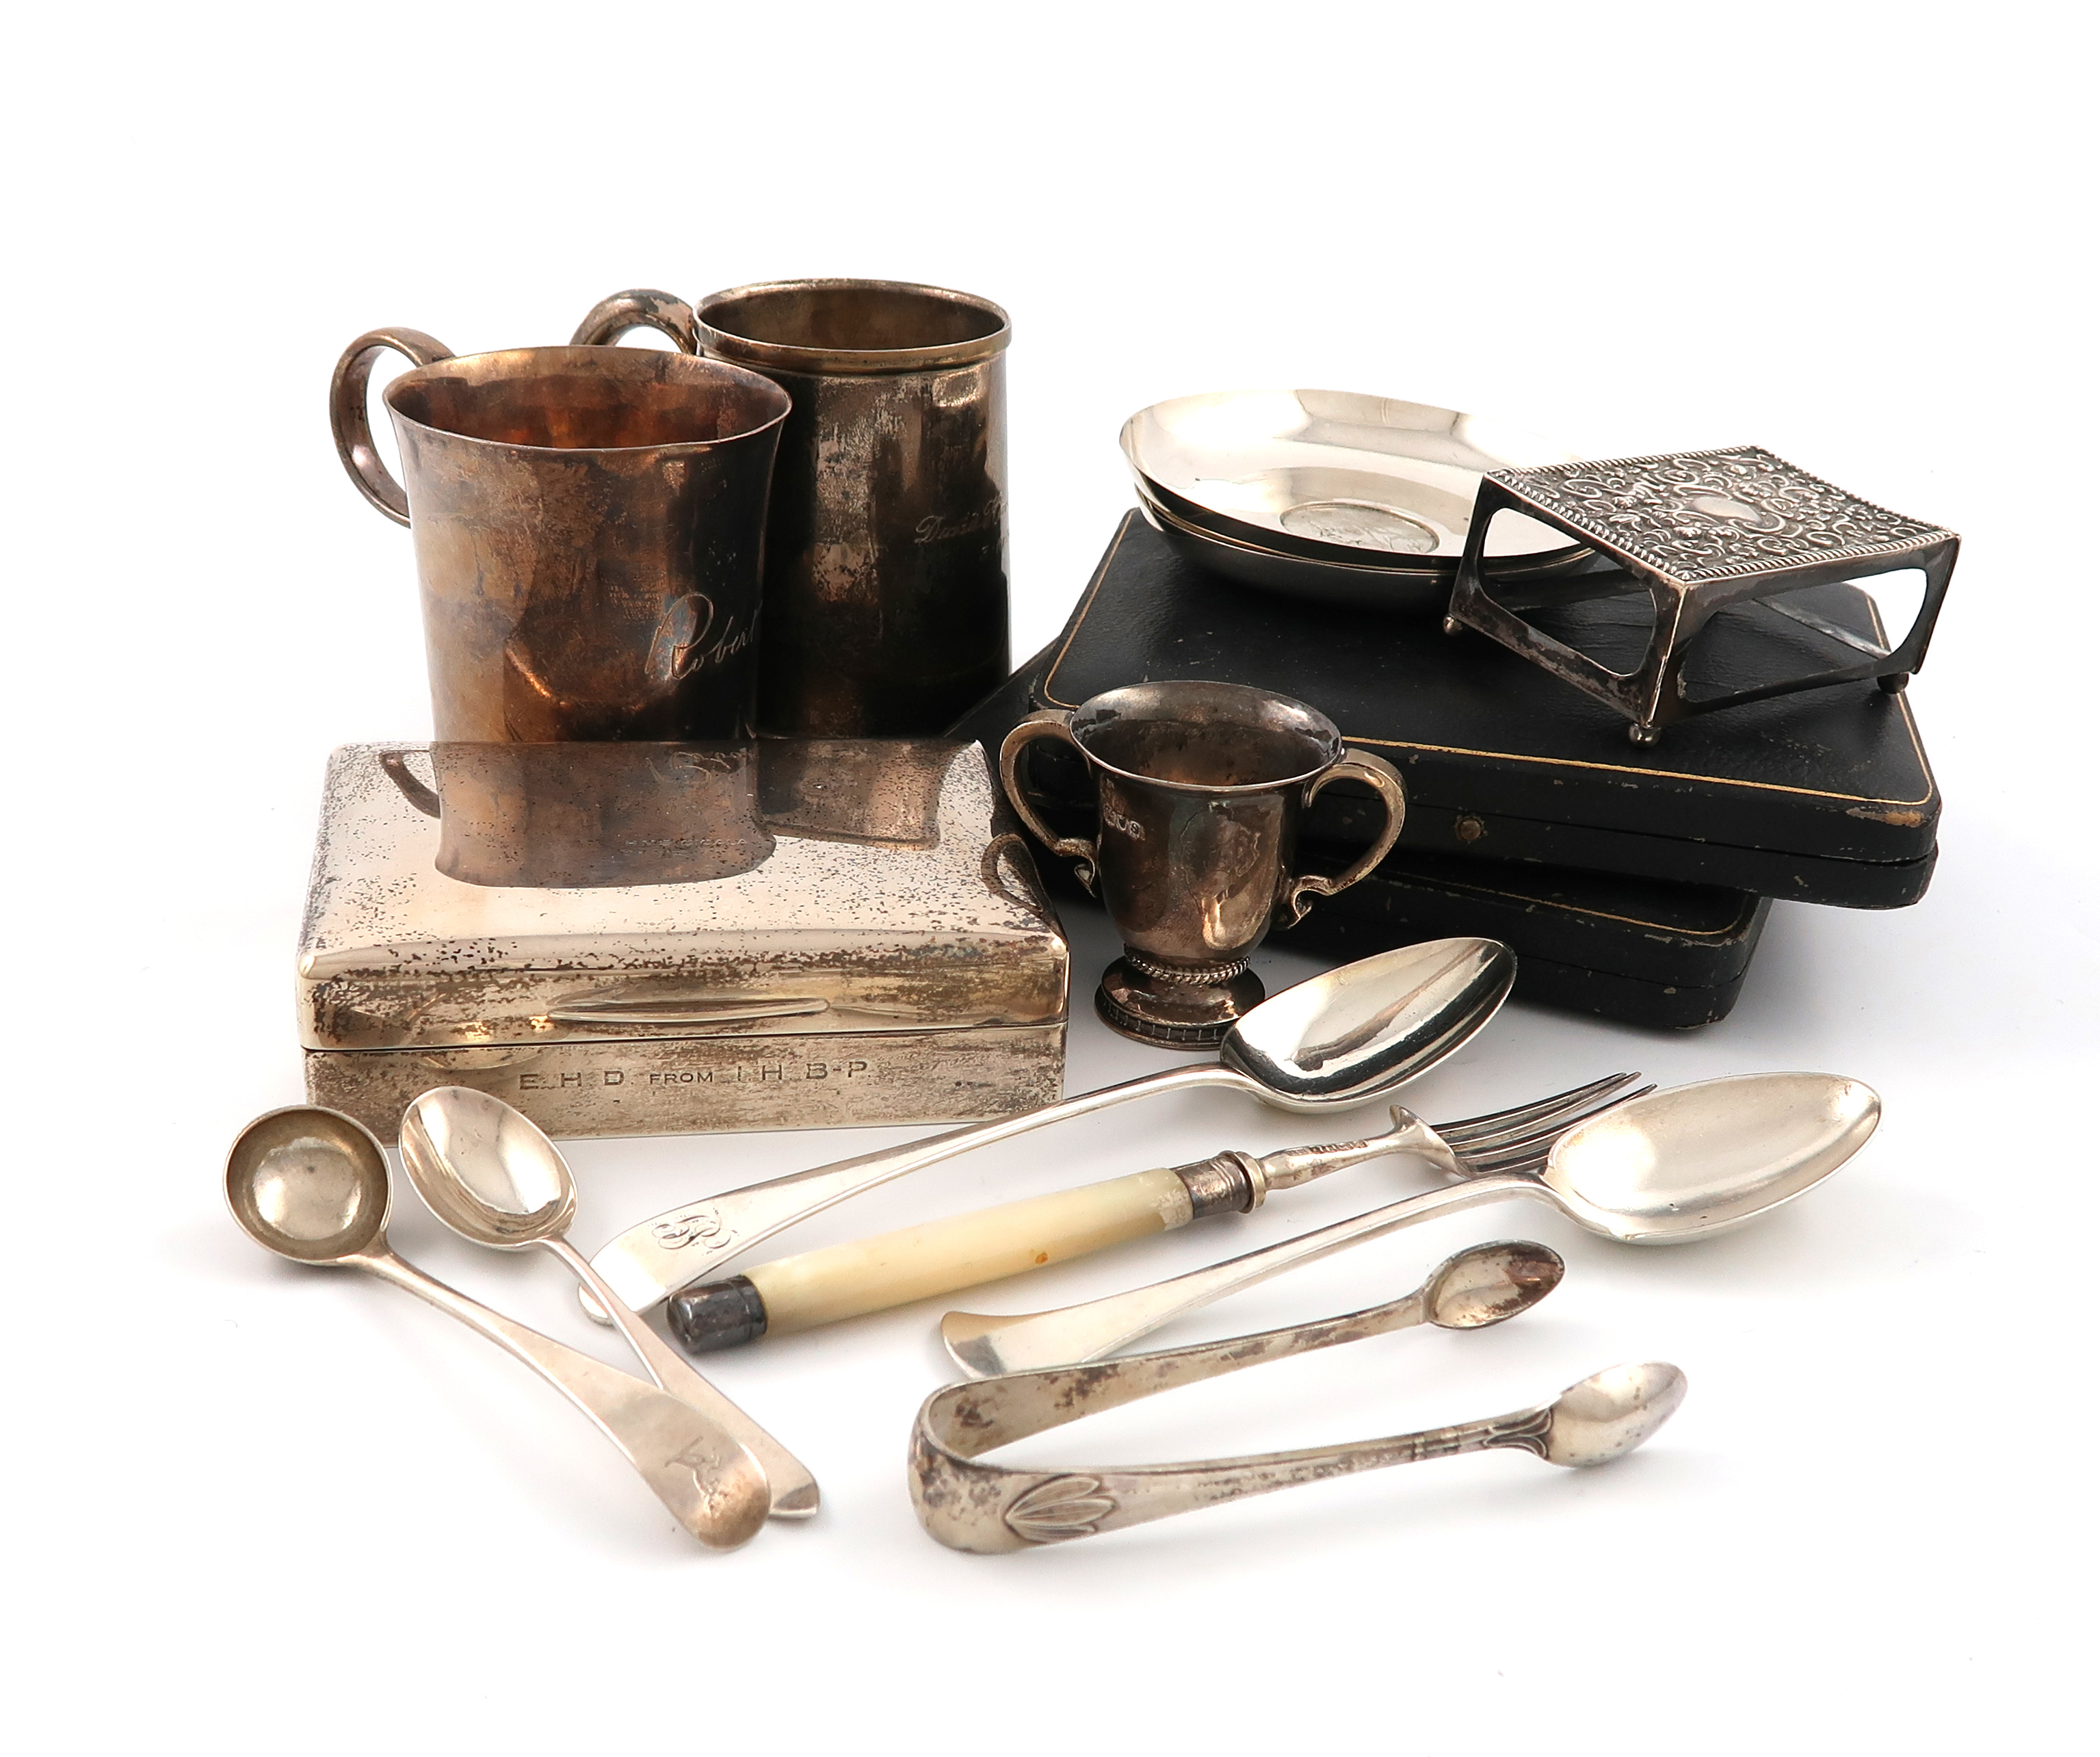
(794, 1488)
(984, 1345)
(683, 1244)
(702, 1473)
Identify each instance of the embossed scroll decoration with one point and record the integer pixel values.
(1715, 515)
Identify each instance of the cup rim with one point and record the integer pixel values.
(1321, 727)
(801, 357)
(752, 381)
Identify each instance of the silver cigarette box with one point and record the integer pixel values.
(634, 940)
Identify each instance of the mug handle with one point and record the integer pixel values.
(637, 308)
(1045, 723)
(1384, 780)
(396, 765)
(353, 425)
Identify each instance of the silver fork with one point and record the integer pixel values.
(841, 1281)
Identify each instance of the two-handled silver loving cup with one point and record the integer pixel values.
(1201, 789)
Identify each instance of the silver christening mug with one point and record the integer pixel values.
(885, 544)
(1201, 789)
(587, 525)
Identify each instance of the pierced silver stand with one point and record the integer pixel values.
(1697, 532)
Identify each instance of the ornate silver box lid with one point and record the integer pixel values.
(472, 895)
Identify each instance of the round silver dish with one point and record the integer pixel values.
(1336, 477)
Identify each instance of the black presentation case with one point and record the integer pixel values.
(1631, 882)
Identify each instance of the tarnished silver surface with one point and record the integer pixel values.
(1695, 532)
(797, 1293)
(588, 527)
(885, 534)
(1346, 1036)
(983, 1507)
(488, 1173)
(881, 952)
(311, 1185)
(1664, 1168)
(1334, 476)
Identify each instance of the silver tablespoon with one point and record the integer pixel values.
(1672, 1165)
(1344, 1037)
(490, 1173)
(311, 1185)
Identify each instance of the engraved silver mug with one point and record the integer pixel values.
(885, 605)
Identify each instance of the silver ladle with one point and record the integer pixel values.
(1661, 1169)
(489, 1173)
(1344, 1037)
(989, 1509)
(311, 1185)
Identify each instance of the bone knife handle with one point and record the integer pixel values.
(894, 1268)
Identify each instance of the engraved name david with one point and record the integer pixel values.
(938, 528)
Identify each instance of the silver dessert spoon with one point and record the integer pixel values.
(1344, 1037)
(989, 1509)
(1672, 1165)
(311, 1185)
(490, 1173)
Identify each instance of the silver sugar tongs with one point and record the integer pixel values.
(989, 1509)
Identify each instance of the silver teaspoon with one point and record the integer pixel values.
(1662, 1169)
(490, 1173)
(311, 1185)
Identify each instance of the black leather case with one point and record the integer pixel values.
(1821, 797)
(1636, 950)
(1641, 950)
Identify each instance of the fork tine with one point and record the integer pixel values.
(1527, 1152)
(1546, 1127)
(1529, 1168)
(1473, 1128)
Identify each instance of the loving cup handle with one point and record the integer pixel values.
(353, 425)
(638, 308)
(1046, 722)
(1384, 780)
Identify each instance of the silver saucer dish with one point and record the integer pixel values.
(1254, 482)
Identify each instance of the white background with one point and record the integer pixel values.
(252, 1508)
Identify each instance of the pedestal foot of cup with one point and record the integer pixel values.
(1189, 1009)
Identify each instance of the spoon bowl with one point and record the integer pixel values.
(1490, 1282)
(486, 1170)
(1693, 1161)
(1351, 1033)
(1610, 1413)
(310, 1185)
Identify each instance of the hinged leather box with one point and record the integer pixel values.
(641, 939)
